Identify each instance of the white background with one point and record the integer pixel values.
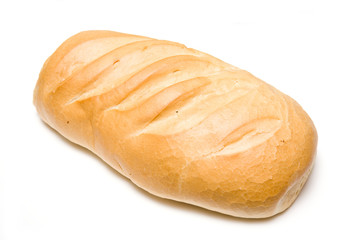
(53, 189)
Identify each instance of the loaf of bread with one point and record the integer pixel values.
(179, 123)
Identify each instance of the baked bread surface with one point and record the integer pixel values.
(179, 123)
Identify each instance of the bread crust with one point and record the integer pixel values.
(179, 123)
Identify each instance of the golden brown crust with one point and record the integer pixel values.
(179, 123)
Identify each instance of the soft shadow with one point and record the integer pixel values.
(171, 203)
